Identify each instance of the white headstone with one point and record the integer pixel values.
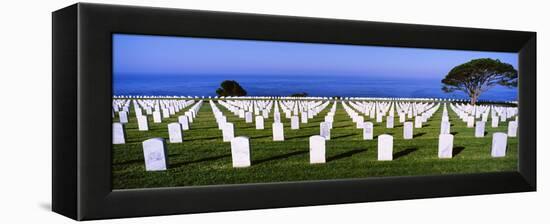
(240, 151)
(470, 122)
(385, 147)
(368, 131)
(445, 127)
(408, 130)
(494, 122)
(227, 132)
(276, 117)
(379, 117)
(445, 146)
(480, 129)
(304, 117)
(184, 122)
(401, 118)
(294, 123)
(248, 117)
(325, 130)
(512, 128)
(174, 132)
(142, 123)
(155, 154)
(498, 149)
(119, 135)
(259, 122)
(359, 122)
(156, 117)
(317, 149)
(418, 122)
(389, 122)
(123, 117)
(278, 132)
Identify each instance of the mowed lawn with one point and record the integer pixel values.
(203, 159)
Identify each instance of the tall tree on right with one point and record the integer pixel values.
(479, 75)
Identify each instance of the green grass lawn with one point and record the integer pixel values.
(203, 159)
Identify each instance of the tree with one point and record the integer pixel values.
(230, 88)
(479, 75)
(303, 94)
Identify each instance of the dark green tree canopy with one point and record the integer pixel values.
(230, 88)
(302, 94)
(479, 75)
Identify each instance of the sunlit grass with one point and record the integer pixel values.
(203, 159)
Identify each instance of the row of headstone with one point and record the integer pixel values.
(156, 155)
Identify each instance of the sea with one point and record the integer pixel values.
(285, 85)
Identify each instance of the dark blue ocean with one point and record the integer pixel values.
(277, 85)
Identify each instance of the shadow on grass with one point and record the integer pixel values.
(260, 136)
(404, 152)
(277, 157)
(342, 136)
(196, 139)
(454, 133)
(211, 158)
(129, 162)
(344, 126)
(418, 134)
(345, 154)
(457, 150)
(201, 128)
(298, 136)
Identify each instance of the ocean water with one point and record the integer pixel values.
(277, 85)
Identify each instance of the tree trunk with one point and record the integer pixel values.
(473, 100)
(473, 97)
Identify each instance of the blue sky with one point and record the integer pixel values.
(163, 55)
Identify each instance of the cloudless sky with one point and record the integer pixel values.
(163, 55)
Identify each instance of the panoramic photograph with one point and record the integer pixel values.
(190, 111)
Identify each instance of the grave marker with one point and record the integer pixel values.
(512, 128)
(240, 152)
(480, 129)
(174, 132)
(498, 148)
(155, 154)
(248, 117)
(385, 147)
(184, 122)
(156, 117)
(294, 123)
(259, 122)
(142, 123)
(119, 134)
(445, 127)
(278, 132)
(389, 122)
(368, 131)
(123, 117)
(317, 149)
(227, 132)
(408, 130)
(325, 130)
(445, 149)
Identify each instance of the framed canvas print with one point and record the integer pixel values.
(168, 111)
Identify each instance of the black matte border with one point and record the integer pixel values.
(96, 23)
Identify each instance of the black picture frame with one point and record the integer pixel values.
(82, 94)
